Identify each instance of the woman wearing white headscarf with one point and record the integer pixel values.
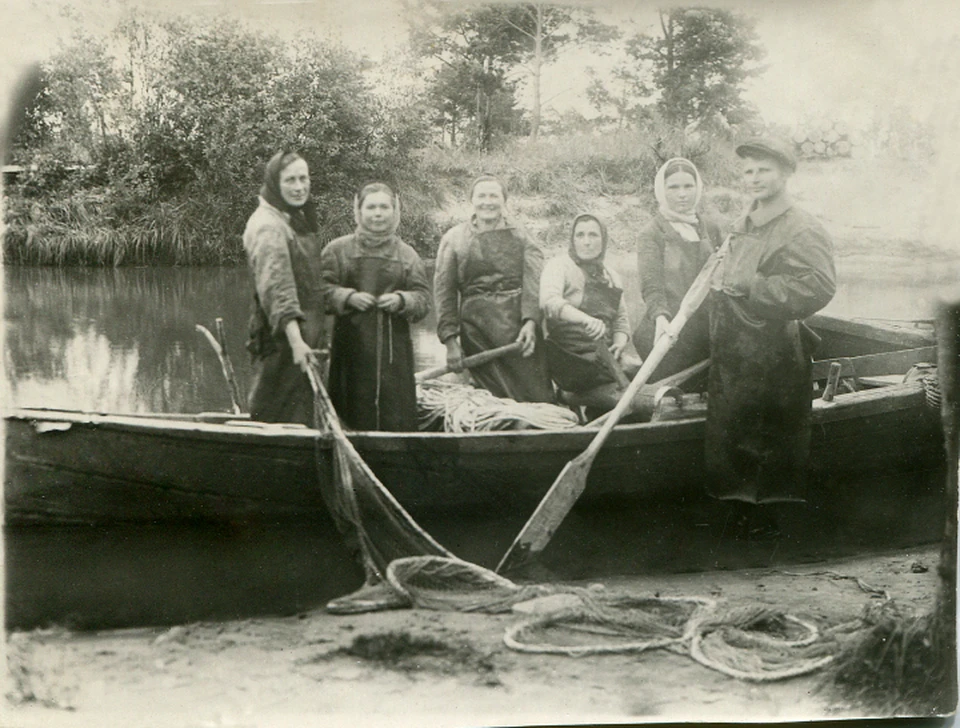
(376, 285)
(672, 249)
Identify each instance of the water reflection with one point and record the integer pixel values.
(124, 340)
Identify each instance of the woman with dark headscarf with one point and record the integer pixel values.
(286, 327)
(583, 307)
(487, 292)
(673, 248)
(376, 285)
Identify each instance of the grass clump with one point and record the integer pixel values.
(897, 667)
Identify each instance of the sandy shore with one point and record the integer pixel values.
(306, 670)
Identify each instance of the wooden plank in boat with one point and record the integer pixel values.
(872, 365)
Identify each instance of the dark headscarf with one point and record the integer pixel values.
(303, 219)
(592, 269)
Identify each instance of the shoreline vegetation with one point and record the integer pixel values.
(549, 182)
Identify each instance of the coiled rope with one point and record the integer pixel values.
(462, 408)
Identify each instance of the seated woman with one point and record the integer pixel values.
(586, 318)
(286, 328)
(672, 249)
(486, 288)
(376, 285)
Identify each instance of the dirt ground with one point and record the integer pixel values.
(452, 669)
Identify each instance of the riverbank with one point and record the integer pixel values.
(450, 669)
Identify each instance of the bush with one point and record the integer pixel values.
(176, 176)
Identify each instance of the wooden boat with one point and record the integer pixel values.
(67, 467)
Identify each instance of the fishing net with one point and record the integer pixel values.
(456, 407)
(405, 566)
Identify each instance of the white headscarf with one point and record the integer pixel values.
(683, 223)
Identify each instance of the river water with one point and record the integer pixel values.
(124, 340)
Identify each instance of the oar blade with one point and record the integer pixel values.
(550, 513)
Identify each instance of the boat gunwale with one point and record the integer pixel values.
(848, 405)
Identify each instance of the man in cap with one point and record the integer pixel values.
(777, 271)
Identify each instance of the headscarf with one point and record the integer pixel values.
(683, 223)
(303, 219)
(488, 178)
(594, 268)
(368, 237)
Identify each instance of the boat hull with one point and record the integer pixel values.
(65, 467)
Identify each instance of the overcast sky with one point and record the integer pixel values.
(839, 58)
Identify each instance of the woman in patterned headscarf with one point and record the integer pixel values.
(376, 286)
(286, 326)
(582, 303)
(672, 249)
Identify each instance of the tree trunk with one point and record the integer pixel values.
(536, 73)
(948, 369)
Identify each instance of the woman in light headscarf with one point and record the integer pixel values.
(486, 288)
(583, 307)
(672, 249)
(376, 285)
(286, 326)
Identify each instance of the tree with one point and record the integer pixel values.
(699, 62)
(544, 29)
(621, 96)
(473, 51)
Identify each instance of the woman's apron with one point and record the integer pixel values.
(572, 358)
(490, 316)
(279, 390)
(758, 413)
(679, 272)
(371, 368)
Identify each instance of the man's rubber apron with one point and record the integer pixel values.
(371, 369)
(572, 358)
(490, 316)
(758, 415)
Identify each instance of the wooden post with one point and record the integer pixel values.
(948, 371)
(833, 380)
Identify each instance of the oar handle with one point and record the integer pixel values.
(471, 361)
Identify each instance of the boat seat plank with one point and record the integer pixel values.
(874, 365)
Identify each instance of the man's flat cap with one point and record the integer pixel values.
(779, 149)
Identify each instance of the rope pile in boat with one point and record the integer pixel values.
(463, 408)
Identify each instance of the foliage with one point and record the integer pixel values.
(472, 51)
(482, 47)
(166, 140)
(699, 62)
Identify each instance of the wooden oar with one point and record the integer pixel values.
(650, 390)
(568, 486)
(471, 361)
(225, 366)
(613, 366)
